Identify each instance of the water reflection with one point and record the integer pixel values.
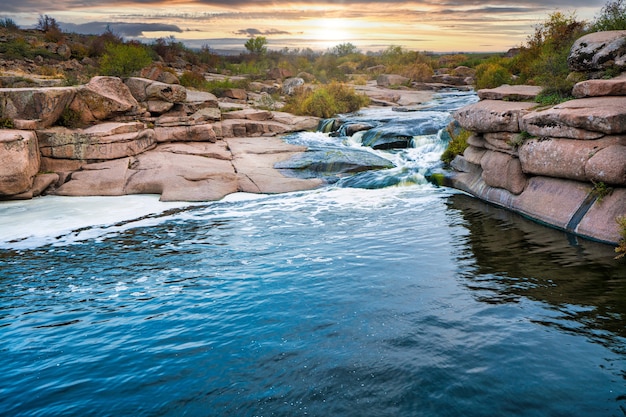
(518, 259)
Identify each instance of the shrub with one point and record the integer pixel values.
(69, 118)
(492, 74)
(326, 101)
(6, 123)
(124, 59)
(612, 17)
(193, 79)
(420, 72)
(8, 23)
(456, 146)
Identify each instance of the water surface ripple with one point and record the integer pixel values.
(409, 300)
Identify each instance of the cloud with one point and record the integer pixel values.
(44, 6)
(258, 32)
(119, 28)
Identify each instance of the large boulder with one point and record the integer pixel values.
(290, 85)
(34, 108)
(586, 118)
(99, 142)
(502, 170)
(599, 51)
(19, 161)
(567, 158)
(104, 98)
(389, 80)
(490, 116)
(330, 162)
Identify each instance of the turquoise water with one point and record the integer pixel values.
(399, 301)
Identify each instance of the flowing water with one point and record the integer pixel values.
(409, 300)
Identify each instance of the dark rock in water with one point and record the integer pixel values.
(399, 134)
(330, 162)
(349, 129)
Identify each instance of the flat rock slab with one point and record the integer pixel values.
(601, 88)
(190, 171)
(553, 201)
(510, 93)
(254, 160)
(586, 118)
(492, 116)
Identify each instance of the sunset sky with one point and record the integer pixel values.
(426, 25)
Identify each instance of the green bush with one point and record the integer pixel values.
(456, 146)
(612, 17)
(122, 60)
(326, 101)
(492, 74)
(193, 79)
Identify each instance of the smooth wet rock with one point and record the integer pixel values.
(553, 201)
(331, 162)
(19, 161)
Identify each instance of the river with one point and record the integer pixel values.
(348, 300)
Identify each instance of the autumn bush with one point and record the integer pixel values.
(326, 101)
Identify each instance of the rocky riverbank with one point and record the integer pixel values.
(563, 165)
(141, 135)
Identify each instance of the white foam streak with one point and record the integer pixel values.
(63, 220)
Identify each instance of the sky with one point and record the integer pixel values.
(423, 25)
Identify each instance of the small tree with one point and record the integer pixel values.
(612, 17)
(122, 60)
(8, 23)
(344, 49)
(49, 26)
(257, 45)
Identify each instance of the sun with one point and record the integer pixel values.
(330, 32)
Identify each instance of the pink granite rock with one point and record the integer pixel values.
(490, 116)
(587, 118)
(502, 170)
(19, 161)
(563, 158)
